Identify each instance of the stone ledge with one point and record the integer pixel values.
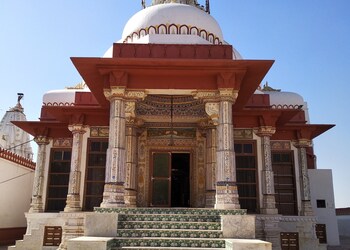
(244, 244)
(90, 243)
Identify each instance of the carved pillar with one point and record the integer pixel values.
(210, 167)
(36, 205)
(226, 187)
(131, 154)
(269, 203)
(306, 208)
(113, 195)
(73, 197)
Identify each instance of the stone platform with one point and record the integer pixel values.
(167, 228)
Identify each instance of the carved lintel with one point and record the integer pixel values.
(265, 131)
(212, 110)
(302, 143)
(136, 94)
(205, 94)
(114, 92)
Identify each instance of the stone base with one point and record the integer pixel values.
(243, 244)
(269, 205)
(210, 199)
(89, 243)
(306, 208)
(226, 195)
(73, 203)
(113, 195)
(238, 226)
(130, 198)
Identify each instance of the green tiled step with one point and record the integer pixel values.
(168, 248)
(170, 233)
(169, 225)
(182, 211)
(169, 217)
(169, 242)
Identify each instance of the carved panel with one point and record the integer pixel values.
(62, 143)
(243, 134)
(280, 145)
(99, 131)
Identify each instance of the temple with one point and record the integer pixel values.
(172, 120)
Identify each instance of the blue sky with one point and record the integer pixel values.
(310, 41)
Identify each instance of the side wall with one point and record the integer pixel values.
(321, 187)
(16, 184)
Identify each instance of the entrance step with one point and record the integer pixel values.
(167, 242)
(169, 228)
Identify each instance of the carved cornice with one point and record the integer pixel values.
(265, 131)
(136, 94)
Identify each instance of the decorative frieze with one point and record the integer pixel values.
(175, 132)
(99, 132)
(280, 146)
(62, 143)
(243, 134)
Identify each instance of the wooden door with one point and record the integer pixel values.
(161, 179)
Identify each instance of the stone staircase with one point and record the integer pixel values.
(169, 228)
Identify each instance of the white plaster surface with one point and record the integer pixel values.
(321, 188)
(238, 226)
(245, 244)
(88, 243)
(102, 225)
(344, 225)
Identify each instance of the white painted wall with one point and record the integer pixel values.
(344, 225)
(321, 187)
(16, 183)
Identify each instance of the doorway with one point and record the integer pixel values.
(170, 179)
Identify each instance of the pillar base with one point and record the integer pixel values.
(226, 195)
(130, 198)
(210, 198)
(36, 206)
(269, 205)
(306, 209)
(73, 203)
(113, 195)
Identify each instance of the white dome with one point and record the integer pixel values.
(175, 19)
(62, 97)
(285, 99)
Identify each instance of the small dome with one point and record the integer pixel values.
(285, 99)
(172, 19)
(62, 97)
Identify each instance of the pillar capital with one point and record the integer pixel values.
(228, 94)
(114, 92)
(302, 143)
(77, 128)
(42, 140)
(265, 131)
